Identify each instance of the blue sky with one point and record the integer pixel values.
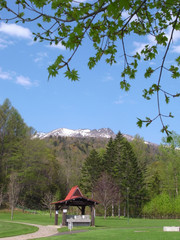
(95, 101)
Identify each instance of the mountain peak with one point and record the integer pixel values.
(65, 132)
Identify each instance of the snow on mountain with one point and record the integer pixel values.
(85, 133)
(64, 132)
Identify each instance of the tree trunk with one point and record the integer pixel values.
(50, 211)
(124, 210)
(119, 209)
(105, 212)
(92, 216)
(12, 212)
(112, 208)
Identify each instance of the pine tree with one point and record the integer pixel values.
(91, 171)
(108, 159)
(13, 132)
(128, 175)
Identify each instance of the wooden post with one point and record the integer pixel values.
(64, 217)
(56, 215)
(92, 216)
(83, 210)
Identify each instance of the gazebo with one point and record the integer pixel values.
(74, 198)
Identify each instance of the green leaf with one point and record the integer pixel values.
(139, 123)
(91, 62)
(169, 139)
(125, 85)
(72, 75)
(167, 99)
(176, 95)
(162, 39)
(148, 72)
(178, 61)
(170, 115)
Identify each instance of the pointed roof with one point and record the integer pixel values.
(75, 198)
(74, 193)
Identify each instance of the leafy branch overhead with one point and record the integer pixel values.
(107, 24)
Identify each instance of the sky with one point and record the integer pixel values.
(95, 101)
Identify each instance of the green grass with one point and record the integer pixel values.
(122, 234)
(115, 228)
(106, 229)
(13, 229)
(41, 218)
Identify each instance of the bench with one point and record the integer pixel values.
(78, 220)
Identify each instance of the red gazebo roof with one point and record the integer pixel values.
(75, 197)
(74, 193)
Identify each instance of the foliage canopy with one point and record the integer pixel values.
(107, 23)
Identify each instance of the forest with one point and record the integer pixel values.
(127, 178)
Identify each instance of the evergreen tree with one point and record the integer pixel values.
(127, 173)
(108, 159)
(13, 132)
(91, 171)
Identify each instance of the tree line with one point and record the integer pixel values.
(127, 178)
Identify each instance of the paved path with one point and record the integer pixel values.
(44, 231)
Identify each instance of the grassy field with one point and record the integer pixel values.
(13, 229)
(106, 229)
(41, 218)
(121, 234)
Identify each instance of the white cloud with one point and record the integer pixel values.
(4, 43)
(23, 81)
(18, 79)
(40, 56)
(151, 40)
(58, 46)
(119, 100)
(138, 46)
(176, 34)
(15, 30)
(126, 15)
(4, 75)
(108, 78)
(79, 1)
(176, 49)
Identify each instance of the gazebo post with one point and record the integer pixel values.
(92, 216)
(83, 210)
(64, 217)
(56, 215)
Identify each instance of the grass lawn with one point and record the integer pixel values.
(122, 234)
(41, 218)
(134, 229)
(13, 229)
(106, 229)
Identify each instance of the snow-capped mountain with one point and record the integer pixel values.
(64, 132)
(85, 133)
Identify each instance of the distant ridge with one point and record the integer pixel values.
(65, 132)
(85, 133)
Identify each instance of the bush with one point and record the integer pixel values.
(162, 206)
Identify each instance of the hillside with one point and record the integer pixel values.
(71, 152)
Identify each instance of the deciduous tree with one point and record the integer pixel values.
(13, 191)
(107, 25)
(106, 191)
